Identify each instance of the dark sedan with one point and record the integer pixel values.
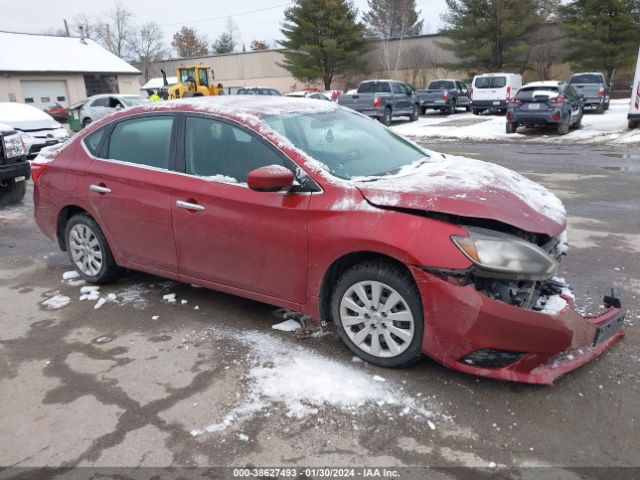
(539, 104)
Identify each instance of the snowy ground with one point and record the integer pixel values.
(608, 128)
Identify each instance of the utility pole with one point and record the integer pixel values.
(109, 46)
(66, 27)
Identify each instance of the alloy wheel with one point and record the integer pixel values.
(86, 251)
(377, 319)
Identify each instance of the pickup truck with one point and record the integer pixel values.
(593, 88)
(444, 95)
(383, 99)
(14, 167)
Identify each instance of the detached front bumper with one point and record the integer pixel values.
(473, 333)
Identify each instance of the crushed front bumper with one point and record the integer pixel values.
(461, 323)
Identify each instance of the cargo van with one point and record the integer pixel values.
(492, 91)
(634, 107)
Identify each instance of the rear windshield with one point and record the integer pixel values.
(587, 78)
(528, 93)
(490, 82)
(440, 85)
(372, 87)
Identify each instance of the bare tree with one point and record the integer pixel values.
(148, 46)
(84, 25)
(116, 32)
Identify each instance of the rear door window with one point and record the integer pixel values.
(543, 93)
(100, 102)
(142, 141)
(490, 82)
(587, 78)
(440, 85)
(93, 140)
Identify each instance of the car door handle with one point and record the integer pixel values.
(189, 205)
(99, 189)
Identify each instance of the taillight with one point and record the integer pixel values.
(601, 92)
(36, 170)
(509, 116)
(556, 117)
(445, 95)
(508, 93)
(559, 100)
(377, 102)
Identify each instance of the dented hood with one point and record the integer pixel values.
(468, 188)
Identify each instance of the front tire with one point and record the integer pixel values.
(13, 192)
(377, 311)
(89, 251)
(86, 122)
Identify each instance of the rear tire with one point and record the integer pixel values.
(467, 108)
(452, 108)
(632, 124)
(600, 108)
(13, 192)
(86, 122)
(386, 116)
(89, 250)
(578, 123)
(365, 325)
(476, 111)
(564, 128)
(606, 105)
(511, 127)
(423, 110)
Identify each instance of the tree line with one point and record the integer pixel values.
(328, 39)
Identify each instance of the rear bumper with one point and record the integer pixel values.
(533, 118)
(433, 103)
(488, 104)
(633, 116)
(20, 169)
(372, 112)
(593, 101)
(460, 321)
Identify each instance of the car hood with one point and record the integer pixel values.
(468, 188)
(25, 117)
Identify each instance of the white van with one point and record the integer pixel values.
(492, 91)
(634, 107)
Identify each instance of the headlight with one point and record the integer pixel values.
(499, 255)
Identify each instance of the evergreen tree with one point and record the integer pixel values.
(392, 19)
(489, 35)
(226, 42)
(322, 40)
(602, 34)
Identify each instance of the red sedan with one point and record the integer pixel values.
(315, 208)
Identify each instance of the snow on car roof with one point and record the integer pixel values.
(23, 52)
(18, 112)
(546, 83)
(4, 128)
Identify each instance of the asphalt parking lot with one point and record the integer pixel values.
(138, 380)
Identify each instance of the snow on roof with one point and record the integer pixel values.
(546, 83)
(4, 128)
(158, 82)
(22, 52)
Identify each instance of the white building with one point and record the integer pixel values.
(43, 70)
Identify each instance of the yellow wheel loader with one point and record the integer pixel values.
(192, 82)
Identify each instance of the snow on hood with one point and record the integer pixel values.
(468, 188)
(25, 117)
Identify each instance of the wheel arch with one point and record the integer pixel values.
(63, 218)
(341, 265)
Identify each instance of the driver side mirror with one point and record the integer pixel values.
(271, 178)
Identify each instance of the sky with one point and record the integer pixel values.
(206, 16)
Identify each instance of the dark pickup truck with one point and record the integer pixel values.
(444, 95)
(593, 89)
(14, 167)
(383, 99)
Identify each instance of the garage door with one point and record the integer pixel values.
(45, 93)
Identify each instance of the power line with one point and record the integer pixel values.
(201, 20)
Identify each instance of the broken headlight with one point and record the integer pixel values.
(499, 255)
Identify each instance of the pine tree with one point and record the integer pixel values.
(602, 34)
(392, 19)
(490, 35)
(226, 42)
(323, 39)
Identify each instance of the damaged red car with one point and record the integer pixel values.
(315, 208)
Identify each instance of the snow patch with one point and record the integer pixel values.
(56, 301)
(70, 274)
(552, 304)
(287, 326)
(170, 297)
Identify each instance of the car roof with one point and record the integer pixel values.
(546, 83)
(495, 75)
(588, 73)
(241, 107)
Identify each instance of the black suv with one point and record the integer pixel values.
(549, 103)
(14, 167)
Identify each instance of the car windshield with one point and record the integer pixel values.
(586, 78)
(490, 82)
(133, 100)
(347, 145)
(440, 85)
(372, 87)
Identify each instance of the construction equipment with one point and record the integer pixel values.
(192, 82)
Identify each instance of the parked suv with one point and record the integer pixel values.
(492, 91)
(593, 88)
(14, 167)
(444, 95)
(545, 103)
(383, 99)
